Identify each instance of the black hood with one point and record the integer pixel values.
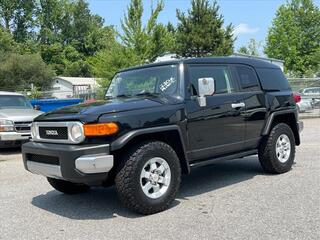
(90, 112)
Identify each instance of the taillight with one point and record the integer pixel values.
(297, 97)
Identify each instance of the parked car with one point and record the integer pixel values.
(16, 115)
(303, 103)
(161, 120)
(312, 93)
(306, 104)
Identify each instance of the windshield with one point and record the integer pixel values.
(161, 80)
(16, 102)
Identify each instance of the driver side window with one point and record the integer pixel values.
(220, 73)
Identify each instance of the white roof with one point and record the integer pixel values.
(10, 93)
(166, 57)
(79, 80)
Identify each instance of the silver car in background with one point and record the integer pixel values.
(305, 105)
(16, 116)
(312, 93)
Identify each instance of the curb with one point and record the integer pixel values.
(308, 117)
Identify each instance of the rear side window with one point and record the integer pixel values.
(220, 74)
(273, 79)
(248, 78)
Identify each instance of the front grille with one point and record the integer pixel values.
(22, 126)
(57, 133)
(43, 159)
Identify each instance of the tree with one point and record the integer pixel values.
(107, 62)
(7, 44)
(69, 34)
(21, 70)
(295, 37)
(252, 48)
(51, 15)
(149, 41)
(18, 18)
(200, 32)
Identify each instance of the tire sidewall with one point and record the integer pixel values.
(279, 130)
(157, 149)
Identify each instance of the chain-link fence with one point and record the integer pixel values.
(309, 88)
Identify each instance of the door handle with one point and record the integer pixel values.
(238, 105)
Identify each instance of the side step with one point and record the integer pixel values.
(223, 158)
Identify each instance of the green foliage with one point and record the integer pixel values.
(107, 62)
(18, 18)
(200, 32)
(22, 70)
(140, 44)
(72, 41)
(7, 44)
(149, 41)
(35, 93)
(252, 48)
(69, 34)
(295, 37)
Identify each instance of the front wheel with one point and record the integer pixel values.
(150, 178)
(67, 187)
(277, 152)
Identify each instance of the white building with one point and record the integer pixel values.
(72, 87)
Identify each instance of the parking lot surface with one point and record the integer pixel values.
(229, 200)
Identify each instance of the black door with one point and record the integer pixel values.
(219, 127)
(255, 110)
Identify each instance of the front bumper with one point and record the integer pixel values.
(87, 164)
(14, 136)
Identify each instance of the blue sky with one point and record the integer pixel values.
(251, 18)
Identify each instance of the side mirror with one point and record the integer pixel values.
(206, 87)
(37, 107)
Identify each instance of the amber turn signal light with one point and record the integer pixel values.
(100, 129)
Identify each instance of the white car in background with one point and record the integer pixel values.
(306, 104)
(312, 93)
(16, 116)
(303, 104)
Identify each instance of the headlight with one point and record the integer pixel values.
(6, 125)
(76, 133)
(33, 131)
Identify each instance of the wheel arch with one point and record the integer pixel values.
(169, 134)
(290, 117)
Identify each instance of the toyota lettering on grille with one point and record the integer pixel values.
(52, 132)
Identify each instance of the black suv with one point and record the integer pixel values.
(160, 120)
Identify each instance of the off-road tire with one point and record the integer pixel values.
(127, 180)
(267, 150)
(67, 187)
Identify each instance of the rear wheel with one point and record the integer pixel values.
(277, 152)
(150, 178)
(67, 187)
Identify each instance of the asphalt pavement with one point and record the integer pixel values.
(229, 200)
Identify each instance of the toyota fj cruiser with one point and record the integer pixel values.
(160, 120)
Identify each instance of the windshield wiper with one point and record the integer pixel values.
(152, 94)
(123, 95)
(118, 96)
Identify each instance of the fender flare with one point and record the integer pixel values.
(124, 139)
(271, 117)
(268, 125)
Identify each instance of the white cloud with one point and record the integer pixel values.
(244, 28)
